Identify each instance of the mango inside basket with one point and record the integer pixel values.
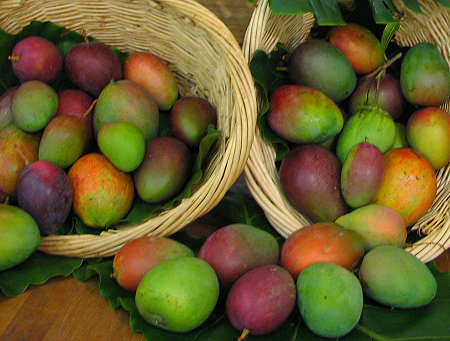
(265, 31)
(207, 62)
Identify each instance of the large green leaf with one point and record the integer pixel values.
(37, 269)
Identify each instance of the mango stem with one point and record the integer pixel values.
(244, 334)
(89, 109)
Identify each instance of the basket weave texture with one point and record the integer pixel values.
(265, 30)
(208, 62)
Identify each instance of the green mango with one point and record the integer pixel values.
(330, 299)
(425, 76)
(396, 278)
(369, 124)
(400, 139)
(178, 294)
(19, 236)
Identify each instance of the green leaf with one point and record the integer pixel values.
(36, 270)
(290, 7)
(388, 33)
(413, 5)
(327, 12)
(445, 3)
(270, 72)
(384, 11)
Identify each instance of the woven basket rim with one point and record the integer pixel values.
(261, 175)
(233, 147)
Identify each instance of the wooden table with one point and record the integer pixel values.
(66, 309)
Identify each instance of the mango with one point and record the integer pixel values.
(409, 185)
(362, 173)
(310, 179)
(321, 242)
(392, 276)
(320, 65)
(127, 101)
(44, 190)
(428, 132)
(261, 300)
(34, 104)
(377, 224)
(330, 299)
(235, 249)
(137, 256)
(19, 236)
(63, 141)
(123, 144)
(425, 76)
(381, 90)
(359, 45)
(164, 171)
(369, 124)
(178, 294)
(190, 117)
(18, 149)
(102, 194)
(155, 75)
(400, 139)
(301, 114)
(5, 107)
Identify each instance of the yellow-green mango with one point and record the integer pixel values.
(377, 225)
(425, 76)
(396, 278)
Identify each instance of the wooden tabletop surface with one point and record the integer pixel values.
(66, 309)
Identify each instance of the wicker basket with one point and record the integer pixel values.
(207, 61)
(265, 30)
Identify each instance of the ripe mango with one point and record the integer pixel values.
(330, 299)
(164, 171)
(394, 277)
(63, 141)
(425, 76)
(301, 114)
(362, 173)
(310, 179)
(102, 194)
(155, 75)
(359, 45)
(127, 101)
(409, 185)
(18, 149)
(428, 132)
(377, 224)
